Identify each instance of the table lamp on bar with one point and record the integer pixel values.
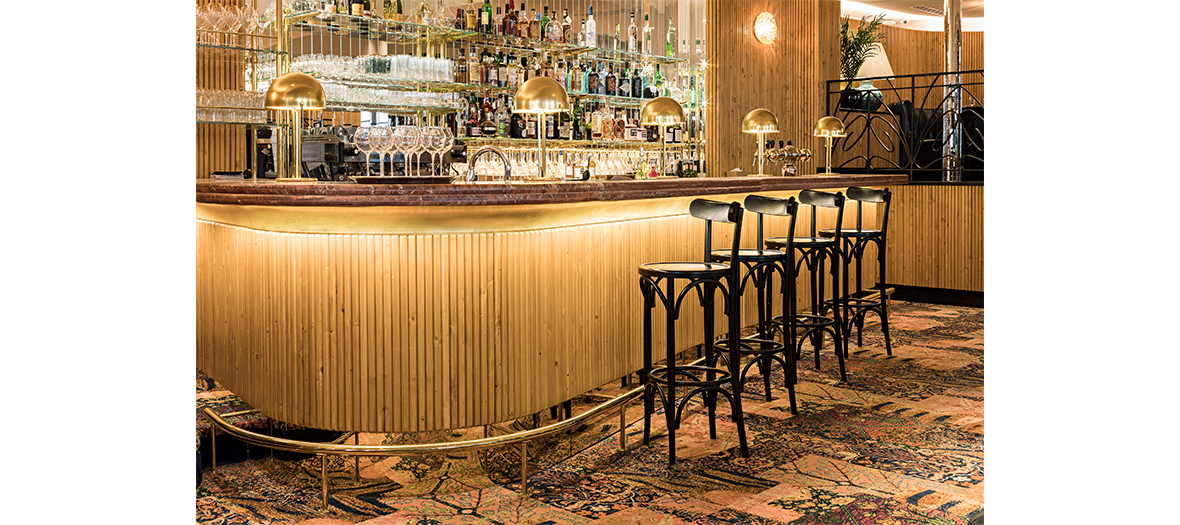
(296, 92)
(760, 121)
(661, 112)
(541, 96)
(829, 128)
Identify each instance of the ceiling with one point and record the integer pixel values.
(922, 15)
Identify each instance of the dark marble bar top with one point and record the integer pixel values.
(270, 193)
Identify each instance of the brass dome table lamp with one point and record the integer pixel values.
(296, 92)
(541, 96)
(661, 112)
(761, 122)
(829, 128)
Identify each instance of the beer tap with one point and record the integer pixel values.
(788, 156)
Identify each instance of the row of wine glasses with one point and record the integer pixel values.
(383, 67)
(410, 141)
(214, 20)
(569, 162)
(223, 105)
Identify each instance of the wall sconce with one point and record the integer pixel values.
(764, 28)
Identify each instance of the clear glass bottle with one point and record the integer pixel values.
(573, 81)
(503, 118)
(591, 30)
(535, 25)
(508, 25)
(513, 72)
(561, 72)
(471, 16)
(670, 42)
(615, 40)
(632, 35)
(501, 69)
(582, 34)
(646, 35)
(566, 27)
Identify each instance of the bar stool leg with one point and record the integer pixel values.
(884, 299)
(710, 357)
(648, 393)
(670, 404)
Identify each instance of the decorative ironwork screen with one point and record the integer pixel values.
(897, 125)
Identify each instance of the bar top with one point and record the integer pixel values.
(270, 193)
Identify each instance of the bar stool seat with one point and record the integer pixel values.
(684, 270)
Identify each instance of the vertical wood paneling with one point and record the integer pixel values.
(936, 237)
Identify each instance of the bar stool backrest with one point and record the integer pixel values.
(711, 211)
(773, 206)
(823, 199)
(863, 195)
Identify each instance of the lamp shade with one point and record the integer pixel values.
(295, 90)
(829, 127)
(876, 65)
(541, 95)
(760, 121)
(661, 111)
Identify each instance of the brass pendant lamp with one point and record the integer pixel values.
(760, 121)
(541, 96)
(295, 92)
(829, 128)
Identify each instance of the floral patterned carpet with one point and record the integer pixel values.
(901, 442)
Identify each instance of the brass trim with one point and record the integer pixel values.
(309, 447)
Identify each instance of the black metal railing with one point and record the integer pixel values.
(900, 126)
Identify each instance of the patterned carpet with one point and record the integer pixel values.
(900, 443)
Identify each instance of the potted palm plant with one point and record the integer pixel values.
(856, 47)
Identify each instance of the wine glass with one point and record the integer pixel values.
(407, 139)
(433, 138)
(378, 140)
(363, 140)
(448, 142)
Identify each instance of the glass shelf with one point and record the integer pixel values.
(377, 29)
(610, 55)
(557, 144)
(399, 109)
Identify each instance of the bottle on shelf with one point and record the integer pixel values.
(592, 80)
(573, 81)
(485, 17)
(582, 34)
(501, 69)
(508, 26)
(624, 87)
(357, 8)
(566, 28)
(632, 36)
(487, 126)
(523, 23)
(516, 123)
(561, 72)
(564, 126)
(545, 23)
(670, 42)
(423, 13)
(513, 73)
(472, 125)
(461, 67)
(591, 29)
(473, 65)
(503, 118)
(471, 17)
(498, 22)
(646, 35)
(534, 24)
(387, 9)
(615, 40)
(526, 73)
(576, 120)
(460, 19)
(584, 87)
(612, 82)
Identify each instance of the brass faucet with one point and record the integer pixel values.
(488, 149)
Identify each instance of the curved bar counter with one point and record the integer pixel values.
(400, 308)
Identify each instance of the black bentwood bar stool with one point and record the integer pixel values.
(705, 278)
(855, 306)
(759, 267)
(814, 252)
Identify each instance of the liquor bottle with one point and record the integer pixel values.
(573, 81)
(489, 68)
(576, 131)
(553, 29)
(551, 126)
(387, 9)
(585, 74)
(646, 35)
(612, 82)
(473, 119)
(582, 34)
(657, 84)
(632, 35)
(670, 42)
(561, 73)
(564, 126)
(423, 12)
(508, 26)
(637, 83)
(460, 19)
(596, 124)
(522, 22)
(615, 40)
(498, 22)
(472, 67)
(526, 74)
(624, 82)
(461, 67)
(485, 17)
(343, 7)
(357, 8)
(534, 25)
(487, 126)
(545, 24)
(591, 30)
(503, 118)
(471, 15)
(592, 81)
(516, 124)
(501, 69)
(566, 29)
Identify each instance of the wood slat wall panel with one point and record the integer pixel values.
(785, 77)
(936, 237)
